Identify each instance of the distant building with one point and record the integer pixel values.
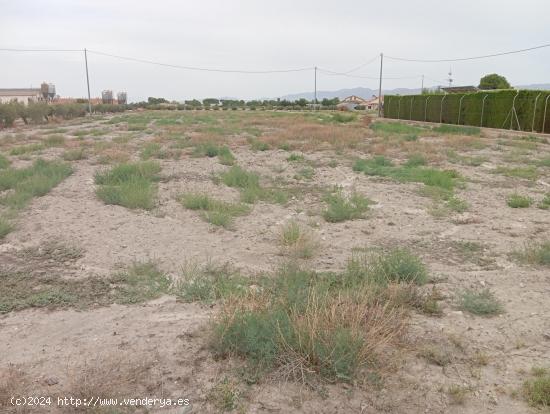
(355, 102)
(351, 102)
(21, 95)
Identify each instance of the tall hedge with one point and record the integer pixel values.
(465, 109)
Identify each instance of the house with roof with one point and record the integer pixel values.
(21, 95)
(354, 102)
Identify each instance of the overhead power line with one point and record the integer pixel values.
(196, 68)
(170, 65)
(511, 52)
(40, 50)
(330, 72)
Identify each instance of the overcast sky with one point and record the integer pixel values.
(262, 35)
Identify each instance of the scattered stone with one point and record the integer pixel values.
(51, 381)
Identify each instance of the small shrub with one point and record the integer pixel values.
(481, 303)
(4, 162)
(259, 145)
(518, 201)
(306, 173)
(397, 266)
(537, 391)
(528, 173)
(341, 208)
(130, 185)
(545, 202)
(295, 157)
(74, 154)
(151, 150)
(139, 283)
(209, 283)
(225, 396)
(55, 141)
(225, 156)
(5, 227)
(298, 241)
(536, 253)
(416, 160)
(458, 394)
(216, 212)
(207, 149)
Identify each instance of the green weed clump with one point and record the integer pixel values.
(131, 185)
(395, 266)
(4, 162)
(341, 208)
(297, 241)
(537, 253)
(248, 184)
(545, 202)
(537, 390)
(74, 154)
(518, 201)
(481, 303)
(225, 156)
(457, 130)
(305, 324)
(27, 183)
(209, 283)
(412, 171)
(395, 128)
(219, 213)
(138, 283)
(527, 173)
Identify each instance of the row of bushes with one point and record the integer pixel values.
(37, 113)
(467, 109)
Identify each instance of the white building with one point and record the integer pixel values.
(22, 95)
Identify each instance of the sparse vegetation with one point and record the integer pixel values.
(412, 172)
(209, 283)
(482, 303)
(519, 201)
(297, 241)
(537, 390)
(130, 185)
(342, 208)
(302, 323)
(537, 253)
(216, 212)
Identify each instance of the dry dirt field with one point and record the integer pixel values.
(275, 262)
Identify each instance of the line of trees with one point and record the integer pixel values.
(41, 112)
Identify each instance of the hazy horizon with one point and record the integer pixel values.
(265, 36)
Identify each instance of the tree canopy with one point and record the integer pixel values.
(494, 81)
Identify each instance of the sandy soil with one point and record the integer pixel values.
(51, 348)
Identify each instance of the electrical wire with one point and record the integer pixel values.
(330, 72)
(468, 58)
(151, 62)
(40, 50)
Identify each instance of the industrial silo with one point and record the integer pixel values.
(107, 97)
(122, 98)
(51, 91)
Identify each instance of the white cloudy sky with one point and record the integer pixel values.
(264, 35)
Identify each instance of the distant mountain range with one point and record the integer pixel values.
(367, 92)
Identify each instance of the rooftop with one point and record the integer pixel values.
(19, 91)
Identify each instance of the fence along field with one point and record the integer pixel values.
(523, 110)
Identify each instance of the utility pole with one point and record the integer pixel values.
(422, 89)
(380, 86)
(315, 94)
(88, 82)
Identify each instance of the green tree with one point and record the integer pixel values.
(494, 81)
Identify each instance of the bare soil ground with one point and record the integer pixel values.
(451, 361)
